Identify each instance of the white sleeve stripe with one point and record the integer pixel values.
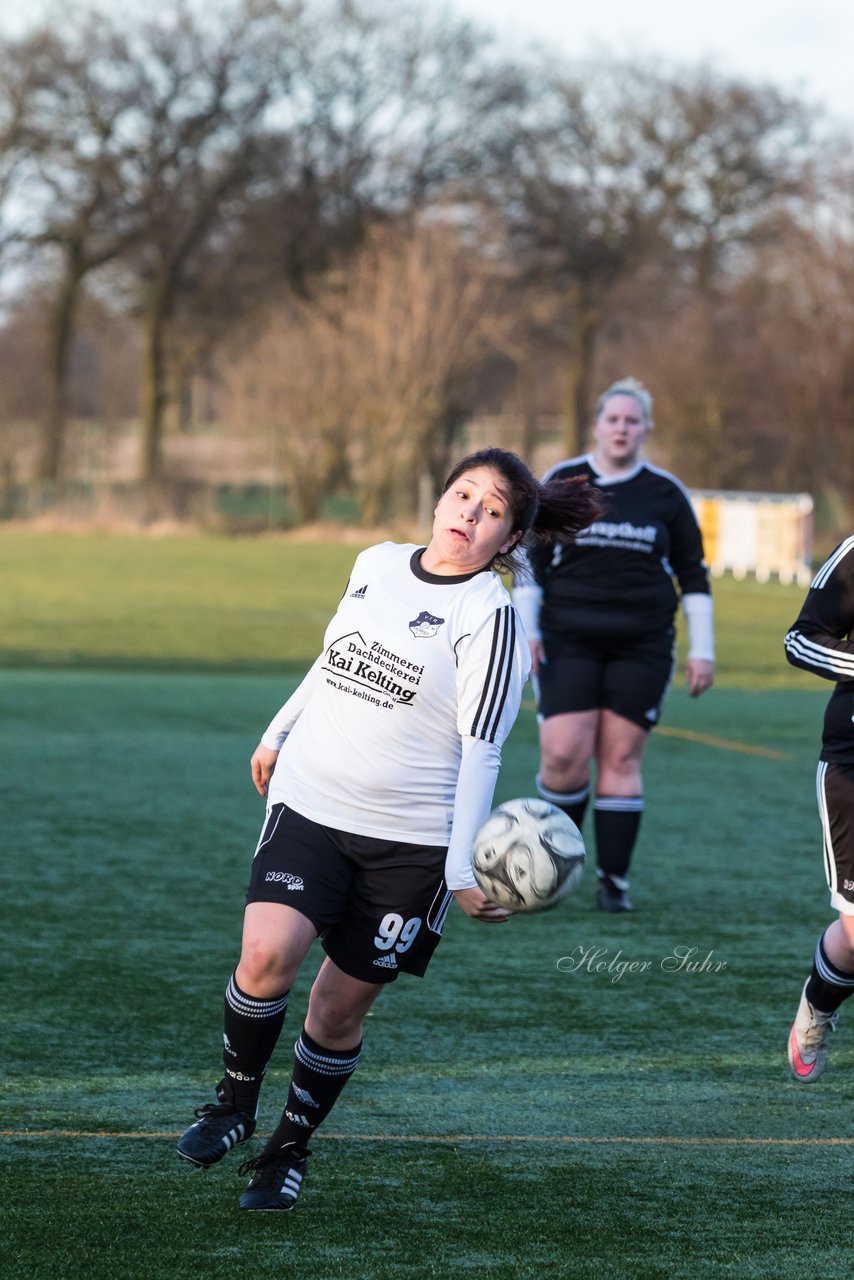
(668, 475)
(827, 568)
(497, 680)
(819, 656)
(827, 839)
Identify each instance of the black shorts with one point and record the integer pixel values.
(629, 676)
(834, 784)
(378, 905)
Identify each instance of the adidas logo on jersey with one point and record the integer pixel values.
(359, 593)
(386, 962)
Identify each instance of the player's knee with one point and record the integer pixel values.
(263, 971)
(624, 767)
(563, 768)
(621, 764)
(335, 1017)
(334, 1023)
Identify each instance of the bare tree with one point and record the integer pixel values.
(731, 162)
(804, 320)
(412, 315)
(68, 99)
(606, 168)
(372, 377)
(204, 89)
(273, 144)
(287, 390)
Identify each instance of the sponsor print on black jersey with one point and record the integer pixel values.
(624, 536)
(425, 624)
(367, 670)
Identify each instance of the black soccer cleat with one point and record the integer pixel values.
(612, 894)
(218, 1128)
(276, 1178)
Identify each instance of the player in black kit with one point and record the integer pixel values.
(821, 641)
(600, 620)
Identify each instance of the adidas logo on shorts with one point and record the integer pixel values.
(386, 962)
(359, 593)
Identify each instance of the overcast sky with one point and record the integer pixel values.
(804, 46)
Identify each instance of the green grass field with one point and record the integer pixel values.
(519, 1113)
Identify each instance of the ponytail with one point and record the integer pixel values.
(543, 513)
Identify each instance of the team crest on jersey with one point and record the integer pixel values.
(359, 593)
(425, 624)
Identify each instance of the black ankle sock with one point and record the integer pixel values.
(252, 1027)
(827, 986)
(319, 1076)
(616, 824)
(573, 803)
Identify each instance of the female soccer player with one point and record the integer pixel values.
(600, 619)
(822, 641)
(378, 772)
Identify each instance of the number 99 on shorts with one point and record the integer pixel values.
(397, 933)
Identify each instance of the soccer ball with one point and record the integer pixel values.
(528, 855)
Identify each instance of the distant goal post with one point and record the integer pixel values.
(768, 535)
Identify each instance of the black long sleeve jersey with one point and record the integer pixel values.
(617, 579)
(820, 641)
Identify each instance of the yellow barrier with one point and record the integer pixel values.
(764, 534)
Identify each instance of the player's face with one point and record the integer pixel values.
(471, 525)
(619, 432)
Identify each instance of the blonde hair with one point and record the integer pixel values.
(628, 387)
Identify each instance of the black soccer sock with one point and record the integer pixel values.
(573, 803)
(319, 1076)
(827, 985)
(616, 824)
(251, 1028)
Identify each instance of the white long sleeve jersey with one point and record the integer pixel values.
(419, 675)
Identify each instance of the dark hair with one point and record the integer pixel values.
(541, 512)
